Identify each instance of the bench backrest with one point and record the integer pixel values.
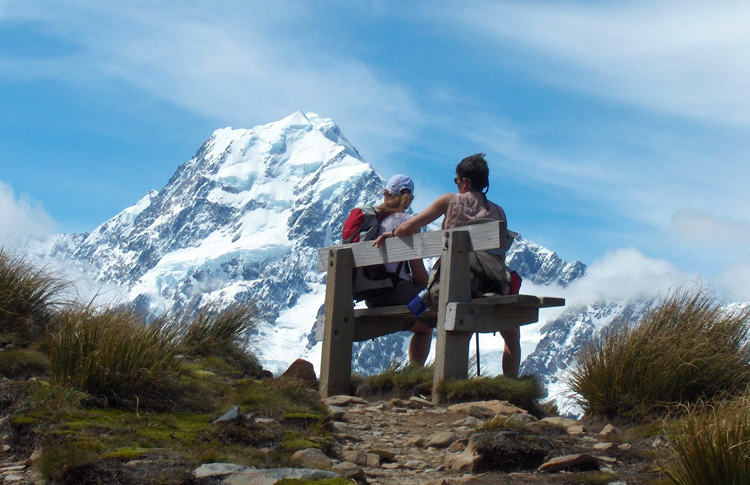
(485, 236)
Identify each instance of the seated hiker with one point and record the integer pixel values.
(412, 278)
(470, 203)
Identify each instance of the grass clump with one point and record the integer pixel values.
(711, 444)
(28, 298)
(399, 380)
(524, 392)
(686, 350)
(114, 356)
(23, 363)
(220, 333)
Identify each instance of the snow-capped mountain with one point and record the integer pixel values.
(242, 220)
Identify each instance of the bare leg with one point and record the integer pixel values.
(512, 351)
(419, 346)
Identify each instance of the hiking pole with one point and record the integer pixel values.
(476, 335)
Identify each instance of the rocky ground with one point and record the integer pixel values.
(413, 442)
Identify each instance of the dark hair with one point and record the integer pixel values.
(476, 170)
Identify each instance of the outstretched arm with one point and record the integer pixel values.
(413, 225)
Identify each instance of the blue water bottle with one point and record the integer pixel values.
(418, 305)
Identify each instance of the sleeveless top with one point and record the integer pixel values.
(463, 208)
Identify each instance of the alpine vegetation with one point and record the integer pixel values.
(711, 444)
(690, 348)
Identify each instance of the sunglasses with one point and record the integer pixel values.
(456, 179)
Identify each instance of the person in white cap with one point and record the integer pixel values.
(397, 197)
(470, 203)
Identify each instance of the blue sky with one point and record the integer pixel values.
(615, 131)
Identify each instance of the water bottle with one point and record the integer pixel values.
(418, 305)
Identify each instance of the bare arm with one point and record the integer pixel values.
(415, 224)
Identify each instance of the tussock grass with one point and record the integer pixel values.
(711, 444)
(399, 380)
(686, 350)
(23, 363)
(114, 356)
(524, 392)
(28, 298)
(221, 333)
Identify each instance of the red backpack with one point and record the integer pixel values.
(362, 224)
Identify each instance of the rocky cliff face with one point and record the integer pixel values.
(242, 220)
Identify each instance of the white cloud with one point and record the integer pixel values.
(21, 217)
(242, 64)
(736, 276)
(624, 274)
(708, 230)
(679, 57)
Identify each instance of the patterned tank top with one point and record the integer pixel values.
(463, 208)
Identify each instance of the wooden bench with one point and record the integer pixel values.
(457, 317)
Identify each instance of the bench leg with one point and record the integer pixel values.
(452, 348)
(336, 358)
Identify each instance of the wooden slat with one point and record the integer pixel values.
(418, 246)
(386, 320)
(480, 318)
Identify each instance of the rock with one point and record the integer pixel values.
(525, 418)
(356, 457)
(580, 462)
(313, 457)
(343, 400)
(477, 440)
(625, 447)
(497, 407)
(603, 446)
(560, 421)
(232, 415)
(302, 370)
(458, 445)
(397, 403)
(272, 475)
(419, 441)
(373, 460)
(337, 413)
(383, 454)
(609, 430)
(13, 478)
(350, 470)
(481, 412)
(442, 439)
(217, 470)
(415, 465)
(465, 461)
(468, 421)
(419, 402)
(576, 430)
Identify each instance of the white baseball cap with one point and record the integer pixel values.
(399, 182)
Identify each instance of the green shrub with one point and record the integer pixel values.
(28, 297)
(524, 392)
(221, 333)
(113, 355)
(23, 363)
(712, 444)
(688, 349)
(399, 380)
